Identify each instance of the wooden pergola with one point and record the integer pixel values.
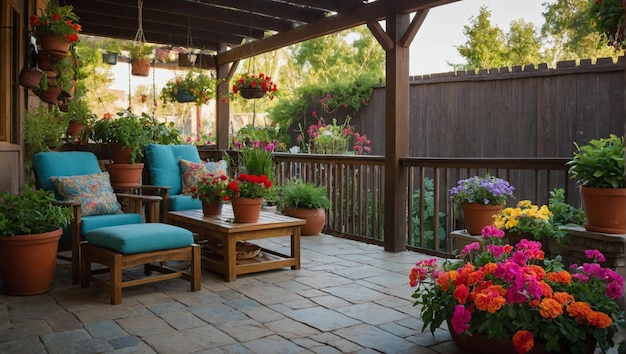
(236, 30)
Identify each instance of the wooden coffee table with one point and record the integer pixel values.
(225, 231)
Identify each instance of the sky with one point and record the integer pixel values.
(435, 43)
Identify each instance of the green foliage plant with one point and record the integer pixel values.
(127, 129)
(303, 195)
(428, 217)
(600, 163)
(138, 50)
(31, 212)
(563, 213)
(257, 161)
(197, 82)
(43, 130)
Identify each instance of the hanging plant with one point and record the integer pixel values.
(196, 86)
(254, 86)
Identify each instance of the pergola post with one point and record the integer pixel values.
(396, 134)
(222, 108)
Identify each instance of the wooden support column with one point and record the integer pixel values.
(222, 108)
(396, 134)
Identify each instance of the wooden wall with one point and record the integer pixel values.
(523, 112)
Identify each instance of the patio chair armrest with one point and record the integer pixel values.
(136, 203)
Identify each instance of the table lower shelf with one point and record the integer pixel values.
(266, 260)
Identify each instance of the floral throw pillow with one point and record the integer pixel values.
(192, 172)
(94, 191)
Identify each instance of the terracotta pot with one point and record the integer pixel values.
(74, 130)
(51, 95)
(30, 78)
(315, 219)
(605, 209)
(55, 45)
(140, 67)
(477, 216)
(247, 209)
(124, 175)
(186, 59)
(252, 93)
(44, 60)
(212, 209)
(119, 154)
(28, 262)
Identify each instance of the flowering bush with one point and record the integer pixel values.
(607, 18)
(211, 188)
(255, 81)
(484, 190)
(59, 20)
(196, 82)
(249, 186)
(513, 295)
(527, 218)
(333, 138)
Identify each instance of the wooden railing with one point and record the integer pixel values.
(356, 188)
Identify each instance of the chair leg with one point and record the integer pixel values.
(85, 267)
(116, 280)
(195, 269)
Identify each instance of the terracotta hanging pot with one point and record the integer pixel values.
(28, 262)
(186, 60)
(315, 219)
(247, 209)
(55, 45)
(124, 175)
(51, 95)
(252, 93)
(140, 67)
(75, 130)
(477, 216)
(44, 60)
(212, 209)
(30, 78)
(605, 209)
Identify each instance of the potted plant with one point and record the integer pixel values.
(80, 117)
(30, 228)
(212, 191)
(480, 198)
(139, 55)
(254, 86)
(195, 86)
(43, 131)
(509, 299)
(599, 169)
(305, 200)
(246, 194)
(56, 30)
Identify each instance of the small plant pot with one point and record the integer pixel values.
(109, 58)
(252, 93)
(315, 219)
(186, 60)
(140, 68)
(30, 78)
(56, 45)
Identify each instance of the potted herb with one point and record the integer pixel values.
(195, 86)
(509, 299)
(139, 55)
(30, 228)
(80, 117)
(251, 86)
(43, 131)
(599, 169)
(305, 200)
(480, 198)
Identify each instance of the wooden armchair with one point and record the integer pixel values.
(78, 182)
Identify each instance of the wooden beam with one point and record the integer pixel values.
(222, 111)
(381, 36)
(370, 12)
(415, 25)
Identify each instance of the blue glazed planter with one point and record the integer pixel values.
(184, 96)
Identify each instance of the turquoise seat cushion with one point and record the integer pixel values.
(163, 168)
(92, 222)
(140, 238)
(65, 163)
(184, 202)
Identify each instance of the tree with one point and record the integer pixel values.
(486, 44)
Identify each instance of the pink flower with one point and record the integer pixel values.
(469, 248)
(460, 319)
(595, 255)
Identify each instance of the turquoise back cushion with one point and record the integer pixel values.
(66, 163)
(163, 168)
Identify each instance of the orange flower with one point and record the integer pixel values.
(579, 309)
(489, 268)
(563, 277)
(563, 298)
(490, 299)
(546, 289)
(443, 280)
(523, 341)
(599, 319)
(550, 308)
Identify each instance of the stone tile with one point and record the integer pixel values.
(273, 344)
(30, 345)
(106, 330)
(300, 304)
(331, 302)
(263, 314)
(141, 348)
(270, 295)
(323, 280)
(242, 303)
(174, 342)
(182, 320)
(244, 330)
(217, 313)
(291, 329)
(343, 345)
(354, 293)
(228, 349)
(77, 335)
(364, 271)
(24, 329)
(322, 319)
(166, 307)
(85, 346)
(125, 342)
(144, 326)
(372, 313)
(63, 321)
(371, 337)
(208, 337)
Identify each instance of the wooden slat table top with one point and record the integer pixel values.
(225, 222)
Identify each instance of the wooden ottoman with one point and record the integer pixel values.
(128, 246)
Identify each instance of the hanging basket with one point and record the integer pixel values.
(252, 93)
(140, 68)
(186, 60)
(183, 96)
(55, 45)
(109, 58)
(30, 78)
(44, 60)
(205, 61)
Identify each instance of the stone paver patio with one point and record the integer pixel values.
(349, 297)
